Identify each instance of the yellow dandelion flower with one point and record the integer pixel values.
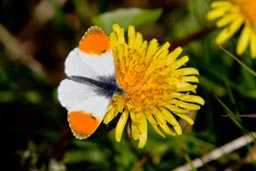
(156, 87)
(233, 15)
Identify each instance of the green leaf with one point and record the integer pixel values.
(125, 17)
(82, 8)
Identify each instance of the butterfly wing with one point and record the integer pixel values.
(95, 50)
(86, 108)
(71, 93)
(74, 65)
(85, 117)
(92, 59)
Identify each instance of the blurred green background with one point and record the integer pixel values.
(35, 38)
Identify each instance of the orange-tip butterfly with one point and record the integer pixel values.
(91, 83)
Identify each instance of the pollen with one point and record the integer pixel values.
(248, 9)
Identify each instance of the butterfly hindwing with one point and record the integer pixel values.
(85, 117)
(71, 93)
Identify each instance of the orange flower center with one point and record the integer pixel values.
(248, 9)
(141, 87)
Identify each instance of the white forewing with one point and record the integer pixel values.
(102, 64)
(75, 66)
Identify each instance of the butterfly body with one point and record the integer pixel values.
(107, 86)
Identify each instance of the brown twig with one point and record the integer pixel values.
(218, 152)
(22, 47)
(141, 162)
(241, 115)
(192, 37)
(61, 145)
(17, 52)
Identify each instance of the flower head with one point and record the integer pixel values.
(155, 87)
(233, 15)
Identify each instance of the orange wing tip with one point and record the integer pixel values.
(94, 41)
(82, 124)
